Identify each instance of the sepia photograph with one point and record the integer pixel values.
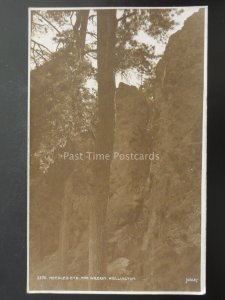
(117, 150)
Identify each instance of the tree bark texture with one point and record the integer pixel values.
(80, 30)
(106, 27)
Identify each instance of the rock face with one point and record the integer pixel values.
(125, 215)
(154, 208)
(128, 176)
(172, 241)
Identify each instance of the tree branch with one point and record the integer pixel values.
(39, 54)
(40, 45)
(90, 51)
(58, 46)
(92, 17)
(71, 16)
(92, 34)
(34, 58)
(92, 56)
(126, 16)
(37, 24)
(46, 20)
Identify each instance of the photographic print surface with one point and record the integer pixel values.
(117, 150)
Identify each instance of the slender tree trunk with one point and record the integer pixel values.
(106, 27)
(80, 30)
(83, 30)
(64, 234)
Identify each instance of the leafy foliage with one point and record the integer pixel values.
(62, 104)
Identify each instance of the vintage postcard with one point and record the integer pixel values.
(117, 150)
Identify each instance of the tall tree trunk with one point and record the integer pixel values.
(83, 31)
(80, 30)
(106, 27)
(64, 233)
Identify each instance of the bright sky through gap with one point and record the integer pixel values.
(132, 77)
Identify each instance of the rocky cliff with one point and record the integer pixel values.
(154, 208)
(172, 241)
